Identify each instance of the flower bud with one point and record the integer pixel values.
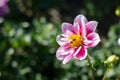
(111, 59)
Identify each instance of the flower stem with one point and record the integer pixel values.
(104, 76)
(91, 67)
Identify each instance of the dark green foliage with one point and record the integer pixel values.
(28, 39)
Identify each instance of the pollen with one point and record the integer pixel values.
(75, 40)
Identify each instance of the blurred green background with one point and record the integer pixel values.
(28, 39)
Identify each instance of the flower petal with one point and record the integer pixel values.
(92, 40)
(3, 2)
(61, 39)
(62, 51)
(77, 28)
(60, 57)
(67, 27)
(68, 58)
(4, 10)
(68, 33)
(65, 53)
(81, 53)
(91, 26)
(81, 20)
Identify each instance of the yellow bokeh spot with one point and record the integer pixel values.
(117, 11)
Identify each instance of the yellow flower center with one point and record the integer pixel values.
(75, 40)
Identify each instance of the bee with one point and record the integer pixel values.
(72, 41)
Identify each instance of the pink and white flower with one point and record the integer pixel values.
(4, 9)
(3, 2)
(76, 38)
